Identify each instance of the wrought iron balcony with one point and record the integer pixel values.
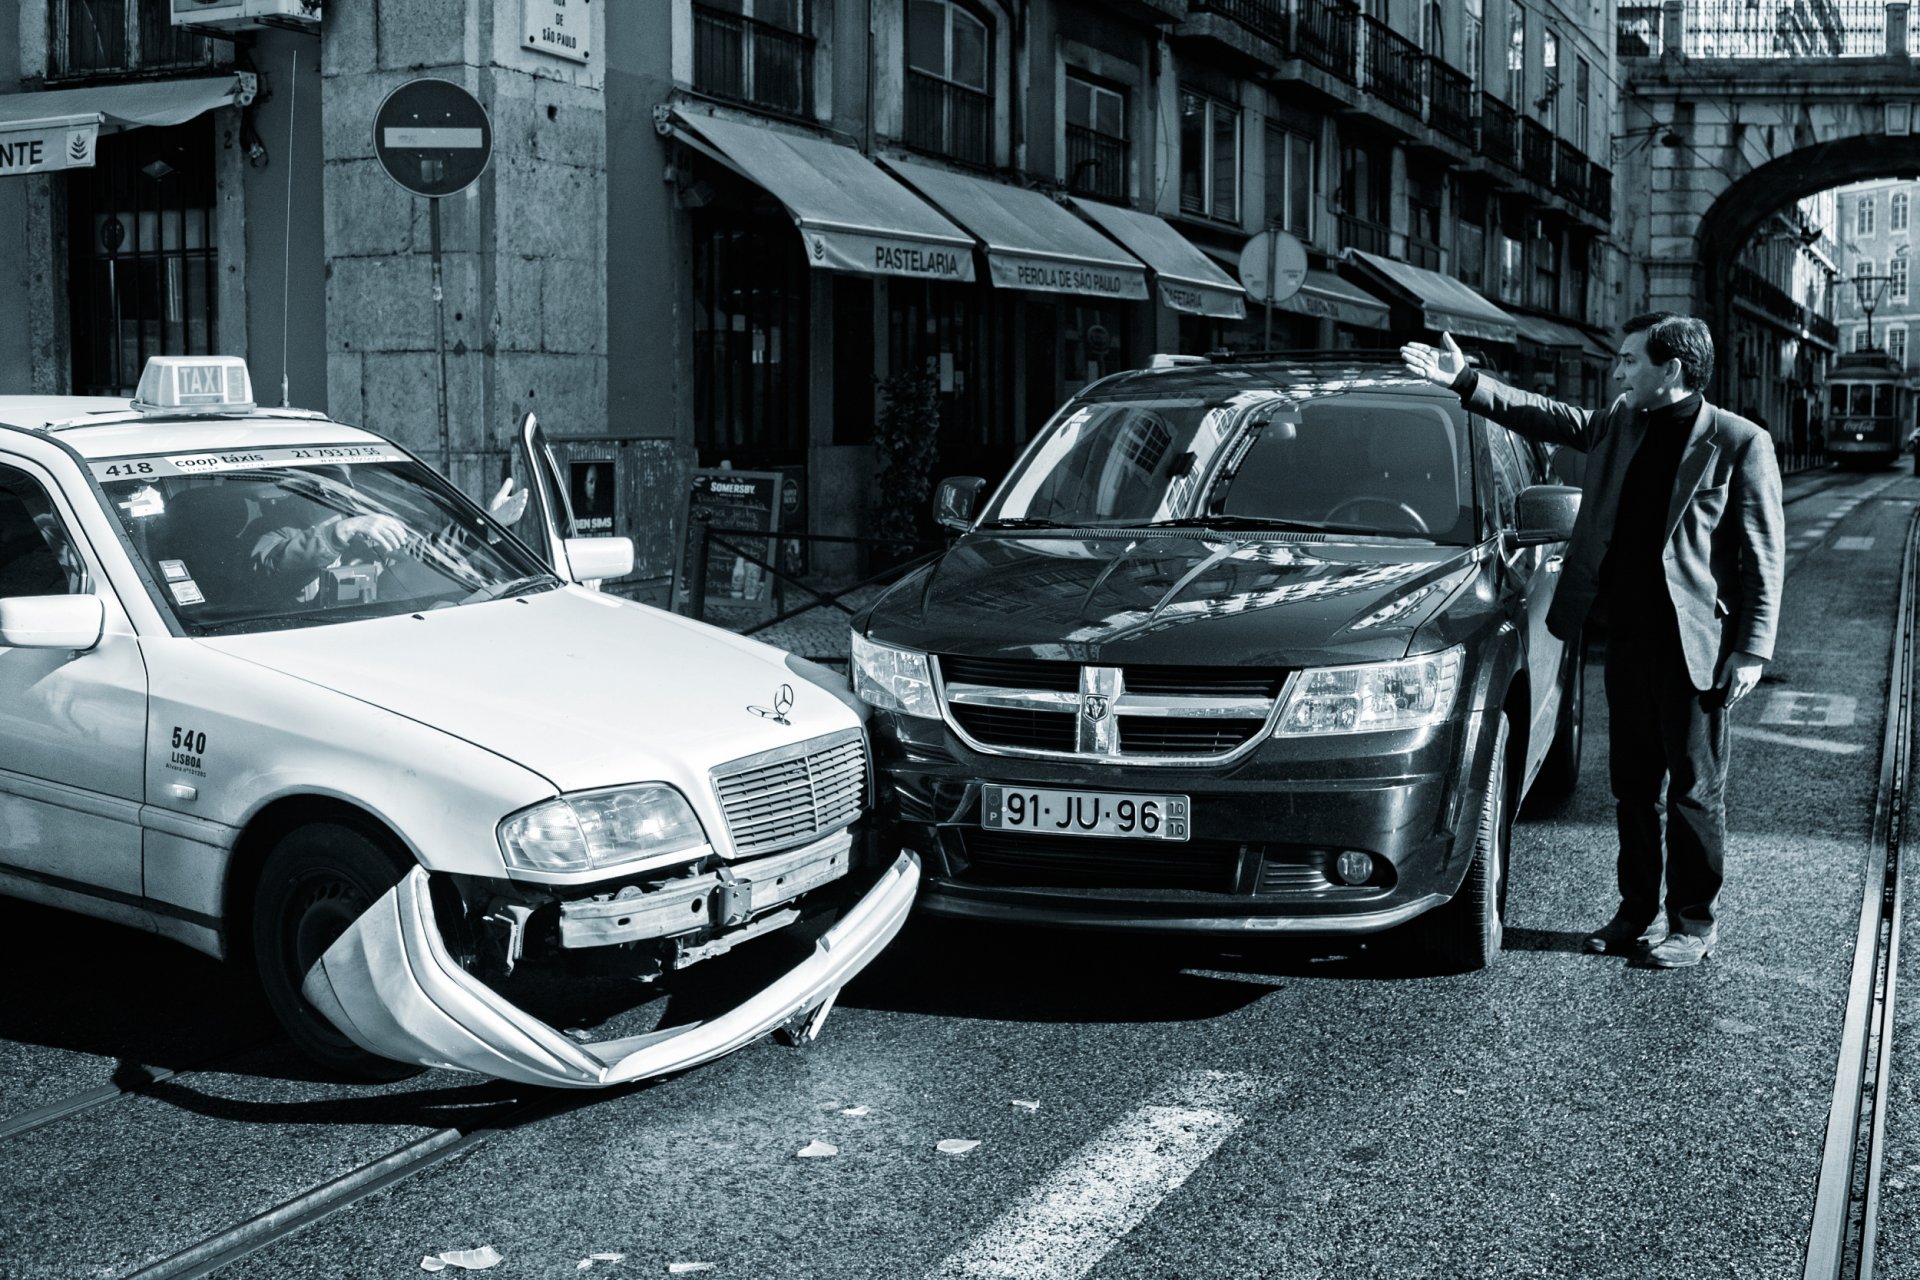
(1600, 191)
(1636, 32)
(1394, 66)
(1096, 164)
(1266, 18)
(1570, 172)
(949, 119)
(1449, 101)
(1536, 151)
(1499, 131)
(1363, 234)
(744, 60)
(1326, 33)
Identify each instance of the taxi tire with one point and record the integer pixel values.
(1464, 934)
(1560, 772)
(316, 881)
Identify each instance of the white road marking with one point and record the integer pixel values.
(1853, 543)
(1788, 740)
(1061, 1228)
(1814, 710)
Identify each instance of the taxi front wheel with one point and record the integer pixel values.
(318, 879)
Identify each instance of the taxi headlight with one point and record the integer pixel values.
(1408, 694)
(596, 829)
(893, 679)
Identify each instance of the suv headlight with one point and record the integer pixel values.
(893, 679)
(592, 830)
(1408, 694)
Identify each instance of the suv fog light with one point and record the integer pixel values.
(1353, 867)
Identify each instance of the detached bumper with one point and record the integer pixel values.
(391, 987)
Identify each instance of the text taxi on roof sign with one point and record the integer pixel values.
(274, 688)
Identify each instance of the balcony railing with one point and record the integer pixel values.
(1637, 31)
(1449, 101)
(1499, 134)
(1536, 152)
(1394, 64)
(1600, 191)
(1096, 164)
(747, 61)
(1363, 234)
(1423, 253)
(1266, 18)
(949, 119)
(1570, 172)
(1326, 33)
(1828, 29)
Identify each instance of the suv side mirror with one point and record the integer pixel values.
(1544, 513)
(954, 501)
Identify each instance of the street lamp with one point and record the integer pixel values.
(1870, 290)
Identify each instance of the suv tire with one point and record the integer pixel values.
(1465, 933)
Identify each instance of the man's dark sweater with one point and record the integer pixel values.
(1633, 577)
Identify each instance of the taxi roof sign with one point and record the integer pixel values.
(194, 382)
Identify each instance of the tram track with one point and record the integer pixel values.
(130, 1080)
(1842, 1240)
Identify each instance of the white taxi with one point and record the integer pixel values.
(272, 687)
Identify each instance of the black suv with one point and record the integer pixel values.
(1234, 648)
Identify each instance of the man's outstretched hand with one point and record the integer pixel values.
(1435, 364)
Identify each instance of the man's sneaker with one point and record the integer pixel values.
(1682, 950)
(1621, 936)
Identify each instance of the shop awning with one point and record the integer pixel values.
(56, 128)
(1543, 332)
(1445, 303)
(1596, 347)
(1324, 294)
(852, 216)
(1031, 242)
(1188, 280)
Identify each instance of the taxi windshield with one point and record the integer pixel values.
(1354, 463)
(270, 539)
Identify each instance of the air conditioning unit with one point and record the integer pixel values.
(219, 16)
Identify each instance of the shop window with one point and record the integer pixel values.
(95, 37)
(1291, 173)
(949, 87)
(1209, 157)
(1097, 158)
(143, 264)
(750, 303)
(1863, 216)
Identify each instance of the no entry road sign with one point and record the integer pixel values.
(432, 137)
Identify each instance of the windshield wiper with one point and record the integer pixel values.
(512, 587)
(1026, 522)
(1244, 522)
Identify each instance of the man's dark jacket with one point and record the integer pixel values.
(1725, 551)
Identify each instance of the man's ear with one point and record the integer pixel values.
(1674, 372)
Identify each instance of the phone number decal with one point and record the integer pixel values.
(196, 464)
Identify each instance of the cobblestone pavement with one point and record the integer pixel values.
(820, 633)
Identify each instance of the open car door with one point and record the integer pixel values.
(547, 522)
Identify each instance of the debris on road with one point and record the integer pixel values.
(816, 1149)
(462, 1259)
(586, 1263)
(958, 1146)
(1024, 1105)
(687, 1268)
(855, 1111)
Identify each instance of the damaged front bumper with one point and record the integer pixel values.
(391, 986)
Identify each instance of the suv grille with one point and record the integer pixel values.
(1141, 711)
(790, 796)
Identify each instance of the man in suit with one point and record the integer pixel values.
(1681, 540)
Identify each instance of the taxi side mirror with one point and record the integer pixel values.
(954, 501)
(592, 559)
(1544, 513)
(52, 622)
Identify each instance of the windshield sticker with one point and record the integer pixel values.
(174, 570)
(143, 502)
(186, 592)
(209, 463)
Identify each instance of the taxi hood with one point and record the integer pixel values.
(585, 689)
(1185, 598)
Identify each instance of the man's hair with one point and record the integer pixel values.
(1672, 336)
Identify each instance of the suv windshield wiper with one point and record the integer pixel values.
(1244, 522)
(1026, 522)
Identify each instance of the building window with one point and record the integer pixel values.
(1549, 103)
(1546, 268)
(1897, 344)
(1291, 173)
(1582, 104)
(1433, 36)
(1470, 234)
(1861, 271)
(1516, 55)
(1096, 139)
(1897, 279)
(756, 52)
(1863, 217)
(142, 260)
(94, 36)
(1474, 34)
(949, 95)
(1512, 264)
(1860, 339)
(1897, 212)
(1365, 184)
(1209, 157)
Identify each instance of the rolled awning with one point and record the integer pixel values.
(851, 214)
(56, 129)
(1187, 279)
(1031, 242)
(1444, 302)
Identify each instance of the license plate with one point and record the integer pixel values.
(1084, 813)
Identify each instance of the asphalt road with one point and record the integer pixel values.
(1172, 1109)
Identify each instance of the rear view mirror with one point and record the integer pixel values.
(51, 622)
(1544, 513)
(954, 501)
(593, 559)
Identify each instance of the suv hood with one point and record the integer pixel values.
(585, 689)
(1190, 599)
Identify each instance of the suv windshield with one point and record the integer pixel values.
(267, 539)
(1359, 462)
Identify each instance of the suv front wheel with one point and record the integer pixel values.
(1465, 933)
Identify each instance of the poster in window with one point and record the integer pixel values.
(590, 488)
